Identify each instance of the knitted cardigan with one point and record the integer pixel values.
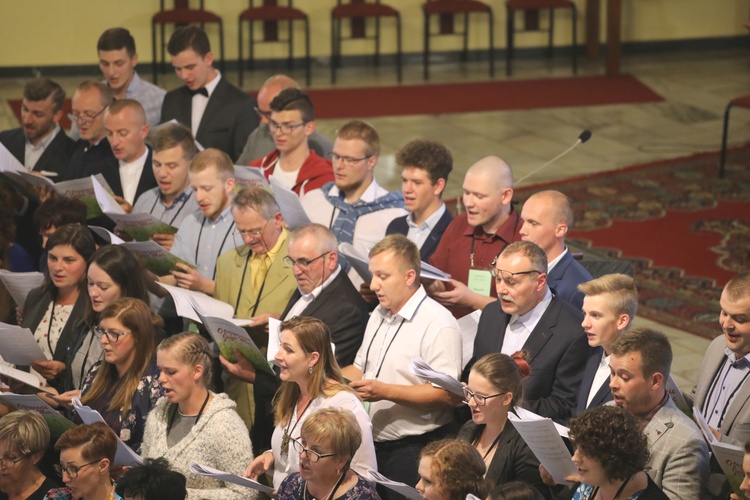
(219, 439)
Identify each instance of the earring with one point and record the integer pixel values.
(309, 369)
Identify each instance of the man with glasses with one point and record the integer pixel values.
(219, 114)
(293, 163)
(255, 280)
(354, 206)
(39, 144)
(261, 142)
(92, 151)
(529, 318)
(406, 412)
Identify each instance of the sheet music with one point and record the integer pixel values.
(107, 235)
(249, 177)
(205, 470)
(291, 208)
(18, 345)
(703, 426)
(8, 162)
(274, 343)
(401, 488)
(20, 284)
(433, 273)
(420, 368)
(124, 456)
(545, 442)
(229, 337)
(187, 302)
(105, 200)
(359, 262)
(468, 326)
(57, 423)
(676, 394)
(30, 381)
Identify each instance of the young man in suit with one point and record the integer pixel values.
(547, 218)
(39, 143)
(529, 318)
(609, 306)
(219, 114)
(425, 166)
(639, 368)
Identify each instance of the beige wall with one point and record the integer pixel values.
(64, 32)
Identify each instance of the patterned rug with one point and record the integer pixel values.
(685, 231)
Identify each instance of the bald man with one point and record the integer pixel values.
(261, 142)
(474, 238)
(547, 218)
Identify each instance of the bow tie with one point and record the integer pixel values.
(201, 91)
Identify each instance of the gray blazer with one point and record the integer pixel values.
(735, 428)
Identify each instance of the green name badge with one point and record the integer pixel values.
(480, 282)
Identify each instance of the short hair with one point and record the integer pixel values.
(106, 96)
(738, 287)
(611, 436)
(515, 490)
(96, 441)
(622, 294)
(192, 350)
(527, 249)
(430, 156)
(25, 432)
(258, 199)
(58, 211)
(136, 107)
(152, 480)
(41, 89)
(212, 157)
(653, 346)
(116, 39)
(358, 129)
(172, 135)
(293, 99)
(403, 249)
(458, 467)
(324, 237)
(189, 37)
(121, 265)
(337, 425)
(505, 373)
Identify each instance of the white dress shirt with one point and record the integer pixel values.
(519, 328)
(200, 102)
(130, 175)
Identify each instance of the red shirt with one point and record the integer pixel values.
(453, 254)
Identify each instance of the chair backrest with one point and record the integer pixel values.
(180, 4)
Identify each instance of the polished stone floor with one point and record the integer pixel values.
(696, 87)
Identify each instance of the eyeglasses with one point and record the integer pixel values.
(479, 399)
(250, 233)
(286, 128)
(72, 470)
(312, 456)
(112, 336)
(9, 463)
(85, 117)
(301, 263)
(262, 114)
(348, 161)
(508, 277)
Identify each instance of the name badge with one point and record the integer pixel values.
(480, 282)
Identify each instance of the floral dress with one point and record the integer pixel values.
(67, 494)
(293, 486)
(147, 394)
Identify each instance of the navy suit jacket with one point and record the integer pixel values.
(112, 176)
(557, 352)
(564, 279)
(603, 393)
(227, 122)
(400, 226)
(54, 159)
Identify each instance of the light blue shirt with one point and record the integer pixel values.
(151, 202)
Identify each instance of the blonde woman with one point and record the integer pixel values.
(194, 424)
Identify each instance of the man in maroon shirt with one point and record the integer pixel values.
(474, 238)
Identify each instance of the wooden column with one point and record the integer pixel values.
(593, 28)
(614, 29)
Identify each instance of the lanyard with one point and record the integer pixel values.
(49, 330)
(184, 202)
(471, 250)
(223, 241)
(260, 291)
(176, 407)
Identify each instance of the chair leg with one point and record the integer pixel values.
(291, 44)
(465, 54)
(575, 39)
(377, 41)
(221, 47)
(333, 49)
(509, 43)
(551, 33)
(426, 51)
(239, 52)
(163, 43)
(153, 52)
(724, 135)
(492, 44)
(398, 48)
(308, 76)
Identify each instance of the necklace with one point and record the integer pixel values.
(329, 496)
(288, 432)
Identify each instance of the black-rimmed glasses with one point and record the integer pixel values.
(508, 277)
(312, 456)
(262, 114)
(286, 128)
(479, 399)
(85, 117)
(9, 463)
(72, 470)
(112, 336)
(348, 161)
(301, 263)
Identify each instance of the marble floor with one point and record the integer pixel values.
(696, 86)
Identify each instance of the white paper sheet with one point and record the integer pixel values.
(431, 272)
(8, 162)
(468, 327)
(421, 369)
(107, 235)
(676, 394)
(20, 284)
(57, 423)
(124, 456)
(729, 458)
(401, 488)
(249, 177)
(18, 345)
(205, 470)
(35, 179)
(105, 200)
(360, 263)
(703, 426)
(187, 302)
(229, 337)
(29, 380)
(274, 343)
(291, 208)
(545, 442)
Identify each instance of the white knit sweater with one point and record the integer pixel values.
(219, 440)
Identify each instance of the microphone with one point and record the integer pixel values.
(585, 136)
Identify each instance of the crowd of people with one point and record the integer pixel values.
(341, 400)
